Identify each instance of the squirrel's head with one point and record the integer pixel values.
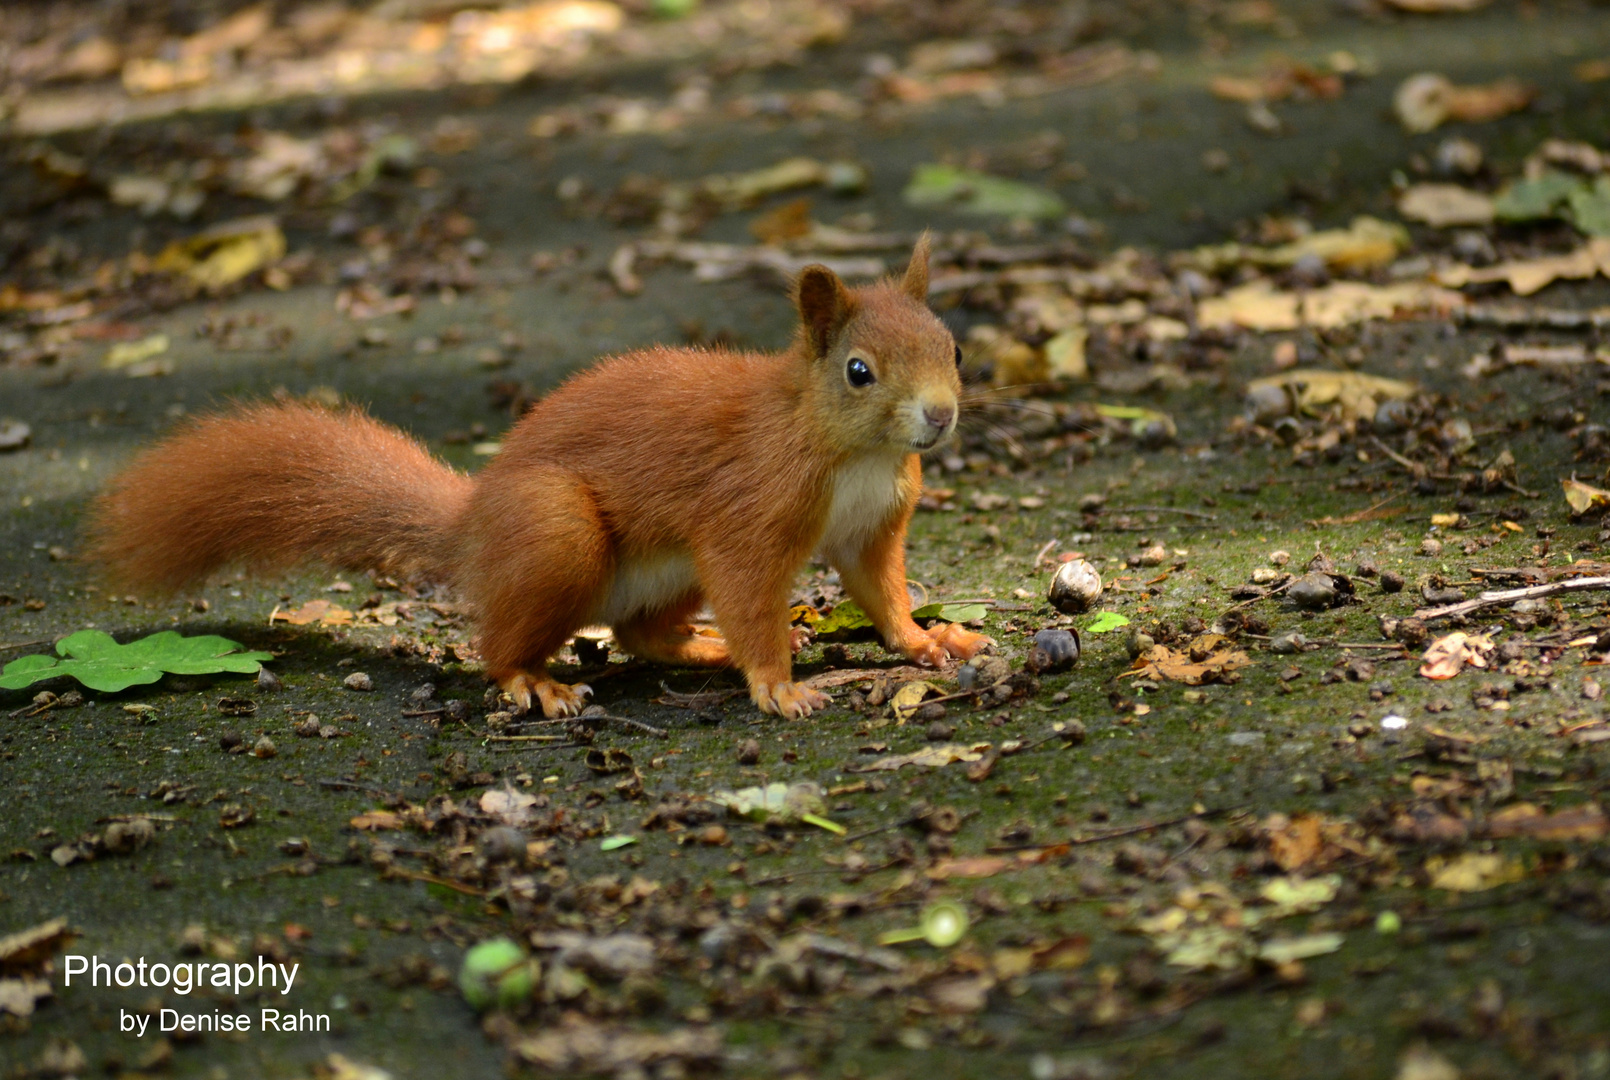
(882, 363)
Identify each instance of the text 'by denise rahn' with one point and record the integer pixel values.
(183, 978)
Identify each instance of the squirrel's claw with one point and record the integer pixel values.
(790, 700)
(557, 699)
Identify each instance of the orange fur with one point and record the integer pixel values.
(637, 491)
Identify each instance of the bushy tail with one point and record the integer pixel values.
(272, 485)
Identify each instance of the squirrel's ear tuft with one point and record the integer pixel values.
(915, 283)
(824, 306)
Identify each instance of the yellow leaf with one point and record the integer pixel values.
(1584, 497)
(225, 253)
(132, 352)
(1473, 872)
(909, 697)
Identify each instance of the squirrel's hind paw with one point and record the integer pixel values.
(790, 700)
(962, 644)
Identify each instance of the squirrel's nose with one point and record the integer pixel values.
(940, 416)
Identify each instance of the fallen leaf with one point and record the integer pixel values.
(32, 947)
(225, 253)
(376, 820)
(1366, 244)
(1106, 621)
(1285, 950)
(1473, 872)
(133, 352)
(509, 807)
(1426, 101)
(977, 866)
(1218, 659)
(95, 658)
(1586, 822)
(1584, 497)
(19, 996)
(933, 757)
(776, 802)
(1343, 396)
(323, 612)
(979, 193)
(909, 698)
(1535, 197)
(1258, 305)
(1420, 1062)
(1065, 354)
(1445, 205)
(1448, 655)
(1311, 842)
(1297, 895)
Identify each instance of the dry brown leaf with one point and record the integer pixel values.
(1527, 276)
(933, 757)
(1352, 395)
(1258, 305)
(376, 820)
(1217, 660)
(1586, 822)
(1444, 205)
(1448, 656)
(510, 807)
(790, 221)
(977, 866)
(31, 947)
(19, 996)
(1310, 842)
(322, 612)
(1426, 101)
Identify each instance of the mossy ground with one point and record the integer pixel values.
(1248, 745)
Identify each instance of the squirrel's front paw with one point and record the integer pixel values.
(962, 644)
(790, 700)
(556, 699)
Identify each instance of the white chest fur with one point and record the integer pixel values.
(865, 493)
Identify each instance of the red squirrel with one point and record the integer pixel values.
(640, 489)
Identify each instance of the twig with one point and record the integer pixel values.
(423, 712)
(1415, 468)
(1204, 515)
(1493, 598)
(23, 644)
(527, 738)
(1117, 834)
(432, 879)
(348, 785)
(583, 719)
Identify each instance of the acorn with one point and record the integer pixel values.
(1075, 587)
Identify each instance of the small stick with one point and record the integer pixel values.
(348, 785)
(23, 644)
(1414, 467)
(423, 712)
(1204, 515)
(526, 738)
(587, 717)
(1504, 596)
(1116, 834)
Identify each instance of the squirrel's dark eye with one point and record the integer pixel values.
(858, 373)
(958, 356)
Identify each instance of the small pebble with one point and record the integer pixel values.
(358, 681)
(1431, 546)
(1290, 642)
(1391, 581)
(939, 731)
(1279, 558)
(307, 727)
(267, 681)
(749, 752)
(229, 741)
(1054, 650)
(125, 836)
(501, 843)
(264, 747)
(1314, 592)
